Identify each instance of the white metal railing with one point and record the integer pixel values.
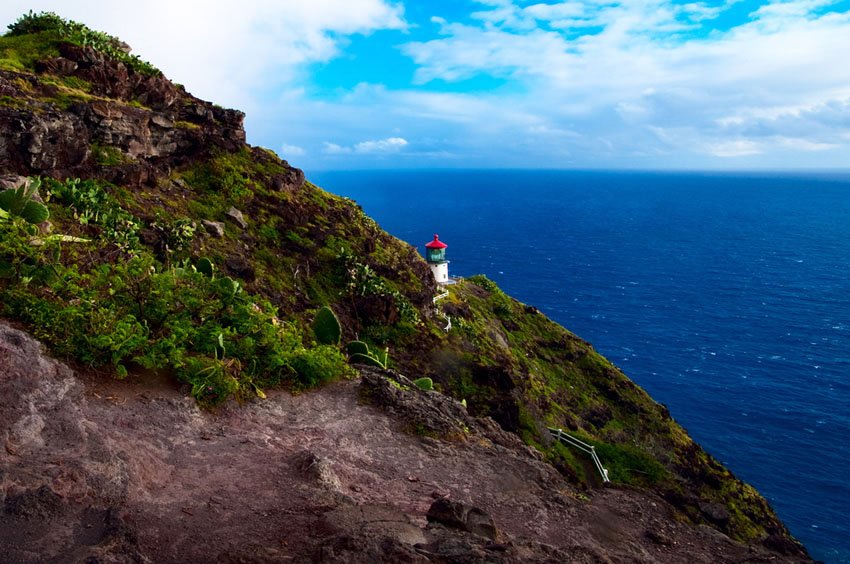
(440, 297)
(568, 439)
(448, 320)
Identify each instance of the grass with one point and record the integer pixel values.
(107, 155)
(21, 53)
(48, 29)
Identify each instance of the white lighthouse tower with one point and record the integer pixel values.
(435, 255)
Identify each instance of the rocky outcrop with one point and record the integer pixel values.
(430, 413)
(146, 123)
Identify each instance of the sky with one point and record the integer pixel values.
(602, 84)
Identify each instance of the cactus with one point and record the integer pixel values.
(228, 285)
(357, 347)
(358, 358)
(382, 355)
(326, 327)
(206, 267)
(424, 384)
(359, 353)
(18, 202)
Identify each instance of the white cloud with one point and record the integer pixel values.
(388, 145)
(292, 151)
(221, 50)
(733, 148)
(375, 147)
(585, 82)
(334, 149)
(621, 71)
(805, 144)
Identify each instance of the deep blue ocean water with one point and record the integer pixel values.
(725, 296)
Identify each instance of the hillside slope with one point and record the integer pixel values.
(102, 471)
(145, 184)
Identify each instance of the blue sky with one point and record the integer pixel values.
(657, 84)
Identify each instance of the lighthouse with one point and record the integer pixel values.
(435, 255)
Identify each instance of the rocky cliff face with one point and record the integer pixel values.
(99, 468)
(59, 127)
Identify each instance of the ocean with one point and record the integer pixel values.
(725, 296)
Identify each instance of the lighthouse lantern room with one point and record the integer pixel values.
(435, 255)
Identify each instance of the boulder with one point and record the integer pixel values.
(237, 217)
(214, 228)
(461, 516)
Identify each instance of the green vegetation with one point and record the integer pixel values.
(360, 353)
(226, 176)
(21, 53)
(88, 202)
(106, 155)
(326, 327)
(51, 29)
(19, 203)
(138, 309)
(425, 383)
(517, 366)
(206, 267)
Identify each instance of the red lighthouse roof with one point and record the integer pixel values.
(436, 243)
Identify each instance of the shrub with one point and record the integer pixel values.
(206, 267)
(357, 347)
(90, 204)
(79, 34)
(212, 334)
(319, 365)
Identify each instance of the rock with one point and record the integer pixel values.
(46, 136)
(658, 537)
(237, 217)
(716, 513)
(429, 414)
(240, 267)
(291, 180)
(114, 475)
(462, 516)
(379, 308)
(214, 228)
(12, 181)
(424, 413)
(598, 415)
(317, 469)
(58, 65)
(42, 503)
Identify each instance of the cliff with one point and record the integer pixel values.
(185, 262)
